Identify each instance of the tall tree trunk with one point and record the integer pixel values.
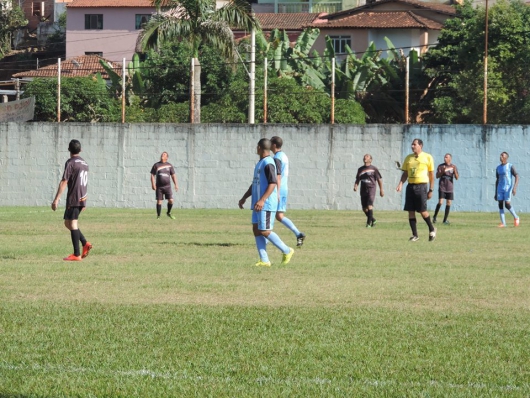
(195, 93)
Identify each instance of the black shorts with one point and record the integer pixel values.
(445, 195)
(416, 197)
(72, 213)
(164, 191)
(367, 198)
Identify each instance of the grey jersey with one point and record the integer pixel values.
(76, 173)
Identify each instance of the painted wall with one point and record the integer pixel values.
(117, 39)
(214, 163)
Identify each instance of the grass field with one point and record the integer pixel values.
(166, 308)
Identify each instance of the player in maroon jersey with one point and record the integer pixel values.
(75, 178)
(161, 175)
(369, 177)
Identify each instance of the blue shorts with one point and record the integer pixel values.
(504, 195)
(282, 204)
(264, 219)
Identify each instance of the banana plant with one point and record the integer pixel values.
(134, 80)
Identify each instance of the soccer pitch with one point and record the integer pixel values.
(166, 308)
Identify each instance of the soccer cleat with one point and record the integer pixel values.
(432, 235)
(374, 221)
(447, 223)
(158, 217)
(501, 225)
(171, 216)
(287, 257)
(368, 226)
(414, 238)
(72, 257)
(263, 263)
(86, 249)
(515, 222)
(434, 220)
(300, 239)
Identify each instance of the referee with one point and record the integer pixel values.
(418, 169)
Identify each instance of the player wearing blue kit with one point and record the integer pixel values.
(282, 169)
(505, 186)
(264, 204)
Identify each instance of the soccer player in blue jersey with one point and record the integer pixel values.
(282, 170)
(264, 205)
(505, 186)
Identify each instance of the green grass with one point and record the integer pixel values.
(176, 308)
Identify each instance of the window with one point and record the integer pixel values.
(38, 8)
(93, 21)
(340, 42)
(141, 19)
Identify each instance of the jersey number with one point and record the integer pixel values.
(83, 177)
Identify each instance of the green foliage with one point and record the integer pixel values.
(11, 19)
(83, 99)
(456, 66)
(57, 40)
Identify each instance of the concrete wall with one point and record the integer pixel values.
(214, 163)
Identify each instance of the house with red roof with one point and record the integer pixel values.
(108, 28)
(409, 24)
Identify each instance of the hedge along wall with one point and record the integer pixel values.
(214, 163)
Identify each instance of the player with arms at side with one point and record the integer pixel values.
(264, 205)
(446, 172)
(506, 186)
(161, 175)
(75, 178)
(282, 169)
(418, 169)
(368, 175)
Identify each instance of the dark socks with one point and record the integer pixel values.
(429, 223)
(169, 207)
(74, 234)
(438, 206)
(158, 209)
(447, 210)
(82, 238)
(370, 215)
(412, 222)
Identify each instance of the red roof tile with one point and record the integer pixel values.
(82, 66)
(285, 21)
(382, 20)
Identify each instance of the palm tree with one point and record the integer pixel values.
(196, 22)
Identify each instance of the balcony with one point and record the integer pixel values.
(317, 7)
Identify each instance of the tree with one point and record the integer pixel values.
(11, 19)
(83, 99)
(456, 66)
(196, 22)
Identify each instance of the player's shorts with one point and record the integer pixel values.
(416, 197)
(367, 197)
(264, 219)
(504, 195)
(282, 204)
(445, 195)
(72, 212)
(164, 191)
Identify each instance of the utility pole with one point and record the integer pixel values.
(485, 109)
(252, 75)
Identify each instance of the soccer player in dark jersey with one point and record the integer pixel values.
(368, 176)
(161, 175)
(506, 186)
(264, 194)
(446, 172)
(75, 178)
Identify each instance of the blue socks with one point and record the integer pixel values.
(261, 244)
(289, 224)
(276, 241)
